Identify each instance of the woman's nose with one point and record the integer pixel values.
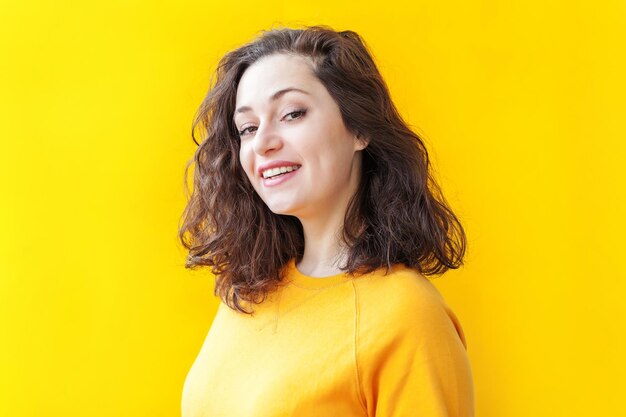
(266, 139)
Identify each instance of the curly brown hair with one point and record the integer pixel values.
(397, 215)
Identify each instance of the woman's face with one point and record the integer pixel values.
(287, 119)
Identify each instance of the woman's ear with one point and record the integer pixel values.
(360, 142)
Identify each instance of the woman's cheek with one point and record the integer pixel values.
(245, 164)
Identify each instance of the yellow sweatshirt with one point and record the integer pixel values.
(374, 345)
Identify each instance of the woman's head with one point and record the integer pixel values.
(246, 229)
(286, 118)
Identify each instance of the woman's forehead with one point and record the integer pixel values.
(269, 75)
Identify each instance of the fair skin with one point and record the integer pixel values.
(305, 129)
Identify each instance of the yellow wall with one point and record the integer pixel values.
(522, 105)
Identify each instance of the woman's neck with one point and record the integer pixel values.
(324, 248)
(324, 251)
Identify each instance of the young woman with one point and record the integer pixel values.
(314, 205)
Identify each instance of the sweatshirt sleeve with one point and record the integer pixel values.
(411, 353)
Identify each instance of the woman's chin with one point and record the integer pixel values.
(284, 208)
(285, 211)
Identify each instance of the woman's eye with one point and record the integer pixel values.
(244, 131)
(289, 116)
(295, 114)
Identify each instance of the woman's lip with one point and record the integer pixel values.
(275, 164)
(270, 182)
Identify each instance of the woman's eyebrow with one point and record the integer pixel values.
(274, 97)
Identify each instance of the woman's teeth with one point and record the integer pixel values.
(279, 170)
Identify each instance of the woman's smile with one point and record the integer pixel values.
(276, 172)
(279, 178)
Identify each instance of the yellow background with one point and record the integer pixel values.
(521, 103)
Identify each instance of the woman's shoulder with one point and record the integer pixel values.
(399, 287)
(404, 300)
